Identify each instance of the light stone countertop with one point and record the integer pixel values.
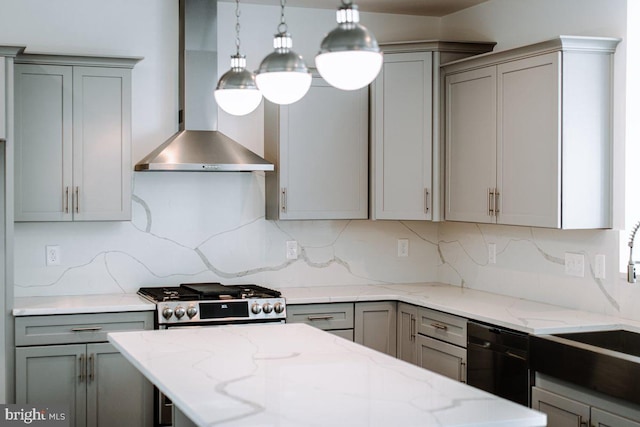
(78, 304)
(509, 312)
(296, 375)
(514, 313)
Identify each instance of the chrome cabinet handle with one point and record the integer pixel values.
(77, 199)
(283, 200)
(66, 200)
(490, 195)
(314, 318)
(87, 329)
(440, 326)
(92, 367)
(426, 200)
(496, 206)
(463, 372)
(82, 367)
(413, 329)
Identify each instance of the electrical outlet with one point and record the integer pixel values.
(403, 247)
(599, 267)
(52, 255)
(573, 264)
(491, 249)
(292, 249)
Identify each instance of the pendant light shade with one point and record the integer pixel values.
(349, 56)
(283, 77)
(237, 92)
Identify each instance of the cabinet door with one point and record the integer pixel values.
(117, 393)
(529, 148)
(101, 143)
(403, 104)
(561, 411)
(600, 418)
(53, 375)
(407, 349)
(470, 129)
(324, 154)
(442, 358)
(375, 326)
(43, 152)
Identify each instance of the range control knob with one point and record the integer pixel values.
(167, 312)
(192, 311)
(180, 312)
(278, 307)
(255, 308)
(267, 308)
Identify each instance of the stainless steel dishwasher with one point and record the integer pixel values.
(498, 362)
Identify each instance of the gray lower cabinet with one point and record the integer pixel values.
(443, 358)
(372, 324)
(432, 340)
(80, 370)
(335, 318)
(563, 411)
(375, 325)
(407, 348)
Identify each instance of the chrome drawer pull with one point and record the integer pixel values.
(87, 329)
(439, 326)
(314, 318)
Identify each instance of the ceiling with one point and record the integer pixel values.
(403, 7)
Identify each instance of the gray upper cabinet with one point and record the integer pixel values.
(528, 135)
(73, 138)
(405, 156)
(320, 148)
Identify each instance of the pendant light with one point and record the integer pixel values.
(349, 56)
(237, 92)
(283, 77)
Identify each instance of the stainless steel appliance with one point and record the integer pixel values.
(210, 304)
(498, 362)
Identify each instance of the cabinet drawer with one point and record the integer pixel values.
(442, 326)
(323, 316)
(78, 328)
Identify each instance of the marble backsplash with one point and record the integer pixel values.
(190, 227)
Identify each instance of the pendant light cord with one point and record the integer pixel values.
(282, 28)
(237, 27)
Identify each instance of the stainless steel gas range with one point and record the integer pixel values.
(201, 304)
(210, 304)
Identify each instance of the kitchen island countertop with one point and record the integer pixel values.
(296, 375)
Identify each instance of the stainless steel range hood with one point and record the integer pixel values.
(200, 150)
(205, 151)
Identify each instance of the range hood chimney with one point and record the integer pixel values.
(204, 149)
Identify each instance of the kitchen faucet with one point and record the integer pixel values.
(631, 267)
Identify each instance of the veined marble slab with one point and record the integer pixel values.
(515, 313)
(510, 312)
(296, 375)
(76, 304)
